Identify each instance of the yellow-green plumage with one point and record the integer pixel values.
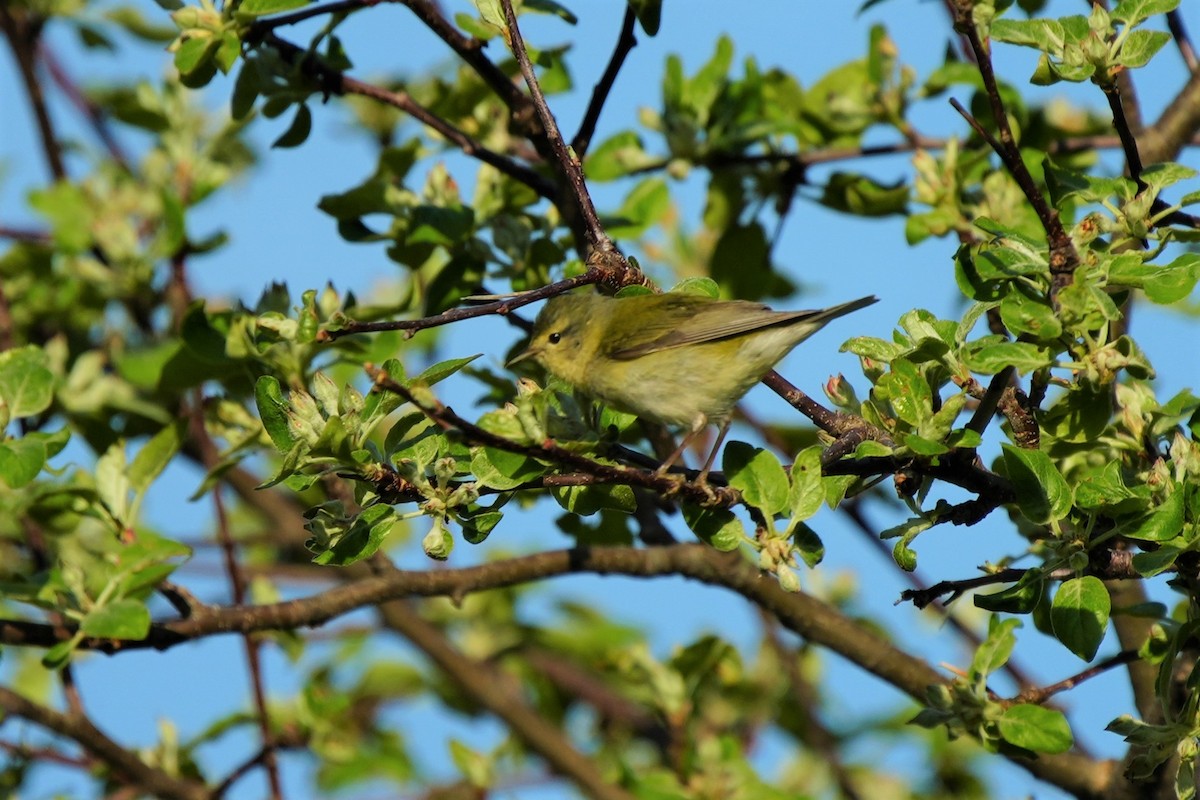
(670, 358)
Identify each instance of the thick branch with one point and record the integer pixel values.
(498, 693)
(80, 730)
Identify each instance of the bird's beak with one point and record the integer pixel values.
(528, 352)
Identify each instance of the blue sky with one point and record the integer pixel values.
(277, 234)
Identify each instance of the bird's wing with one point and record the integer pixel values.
(679, 322)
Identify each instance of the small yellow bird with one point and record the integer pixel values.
(675, 359)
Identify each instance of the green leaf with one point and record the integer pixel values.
(21, 460)
(1161, 524)
(616, 157)
(1022, 313)
(1042, 730)
(1134, 12)
(872, 348)
(701, 287)
(1153, 562)
(717, 527)
(806, 492)
(1141, 46)
(1020, 598)
(648, 13)
(994, 652)
(908, 391)
(588, 500)
(759, 476)
(500, 469)
(112, 484)
(154, 456)
(362, 539)
(193, 53)
(442, 370)
(297, 132)
(852, 193)
(259, 8)
(26, 383)
(992, 358)
(273, 410)
(1043, 495)
(120, 619)
(1164, 284)
(440, 225)
(1079, 615)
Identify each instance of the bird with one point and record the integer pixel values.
(681, 360)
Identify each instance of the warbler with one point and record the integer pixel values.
(675, 359)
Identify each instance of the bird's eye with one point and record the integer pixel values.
(554, 338)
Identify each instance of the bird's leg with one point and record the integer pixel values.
(712, 454)
(697, 426)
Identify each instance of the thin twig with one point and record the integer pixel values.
(1041, 694)
(237, 582)
(122, 762)
(1133, 159)
(626, 41)
(470, 50)
(1182, 41)
(337, 82)
(261, 26)
(23, 29)
(501, 307)
(95, 113)
(969, 635)
(1063, 256)
(549, 451)
(566, 162)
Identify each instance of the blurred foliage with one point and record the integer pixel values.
(113, 372)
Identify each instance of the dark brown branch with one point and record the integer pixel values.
(501, 307)
(79, 729)
(496, 691)
(1182, 41)
(626, 41)
(337, 82)
(957, 588)
(1133, 159)
(549, 451)
(566, 162)
(261, 26)
(22, 28)
(854, 511)
(237, 582)
(95, 114)
(991, 398)
(834, 422)
(1063, 257)
(28, 235)
(470, 50)
(1107, 565)
(806, 702)
(1041, 694)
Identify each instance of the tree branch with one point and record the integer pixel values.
(626, 41)
(500, 307)
(566, 163)
(337, 82)
(79, 729)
